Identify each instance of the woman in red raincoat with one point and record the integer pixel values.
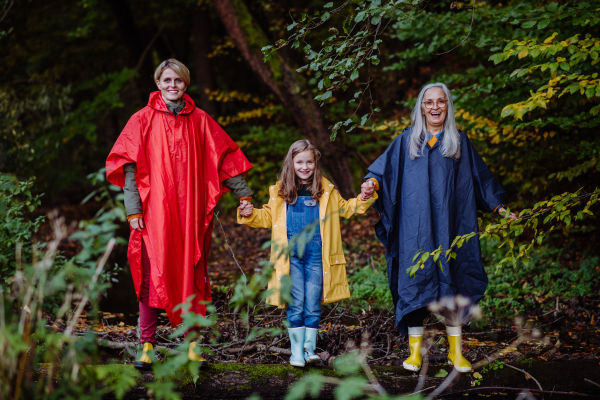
(174, 163)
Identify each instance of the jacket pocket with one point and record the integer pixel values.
(337, 259)
(338, 271)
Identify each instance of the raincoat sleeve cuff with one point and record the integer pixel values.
(134, 216)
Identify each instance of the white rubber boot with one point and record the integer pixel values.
(297, 344)
(310, 344)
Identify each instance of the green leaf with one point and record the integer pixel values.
(542, 24)
(359, 17)
(441, 374)
(328, 5)
(325, 16)
(416, 255)
(590, 92)
(364, 119)
(354, 75)
(528, 24)
(565, 66)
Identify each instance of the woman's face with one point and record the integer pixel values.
(435, 108)
(304, 165)
(171, 86)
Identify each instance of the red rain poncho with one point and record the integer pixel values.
(180, 164)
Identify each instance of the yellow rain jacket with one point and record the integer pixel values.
(331, 207)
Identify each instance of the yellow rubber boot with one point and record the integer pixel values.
(144, 362)
(455, 357)
(193, 356)
(415, 341)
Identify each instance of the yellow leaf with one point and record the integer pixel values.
(523, 53)
(549, 39)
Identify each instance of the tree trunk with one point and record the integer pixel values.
(204, 77)
(249, 38)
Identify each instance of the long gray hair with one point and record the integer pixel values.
(418, 137)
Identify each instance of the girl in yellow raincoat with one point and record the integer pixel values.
(303, 201)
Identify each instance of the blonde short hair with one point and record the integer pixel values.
(177, 66)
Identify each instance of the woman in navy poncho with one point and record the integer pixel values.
(430, 183)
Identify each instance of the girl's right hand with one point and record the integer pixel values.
(246, 208)
(137, 224)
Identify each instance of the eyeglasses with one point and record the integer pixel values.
(431, 103)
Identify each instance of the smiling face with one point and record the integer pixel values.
(436, 115)
(304, 166)
(171, 86)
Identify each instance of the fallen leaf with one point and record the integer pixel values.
(442, 374)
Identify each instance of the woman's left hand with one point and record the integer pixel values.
(512, 215)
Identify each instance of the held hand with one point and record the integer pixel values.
(366, 190)
(246, 208)
(137, 224)
(512, 215)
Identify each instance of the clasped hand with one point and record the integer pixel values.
(366, 190)
(246, 208)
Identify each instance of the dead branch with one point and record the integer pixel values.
(526, 373)
(514, 389)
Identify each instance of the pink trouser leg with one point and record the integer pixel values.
(148, 315)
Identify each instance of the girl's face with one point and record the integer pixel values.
(304, 166)
(171, 86)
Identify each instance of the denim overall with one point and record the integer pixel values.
(306, 272)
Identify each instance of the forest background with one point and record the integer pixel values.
(343, 74)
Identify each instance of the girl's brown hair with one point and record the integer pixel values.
(290, 183)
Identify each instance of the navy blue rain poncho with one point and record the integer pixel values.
(425, 203)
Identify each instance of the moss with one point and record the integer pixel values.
(257, 39)
(254, 373)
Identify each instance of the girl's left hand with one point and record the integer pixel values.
(366, 190)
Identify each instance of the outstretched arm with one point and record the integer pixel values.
(248, 215)
(348, 208)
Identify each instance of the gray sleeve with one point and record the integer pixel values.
(133, 201)
(238, 186)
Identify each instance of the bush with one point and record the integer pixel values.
(548, 275)
(16, 231)
(369, 286)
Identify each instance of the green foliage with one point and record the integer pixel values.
(369, 286)
(493, 366)
(548, 274)
(16, 231)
